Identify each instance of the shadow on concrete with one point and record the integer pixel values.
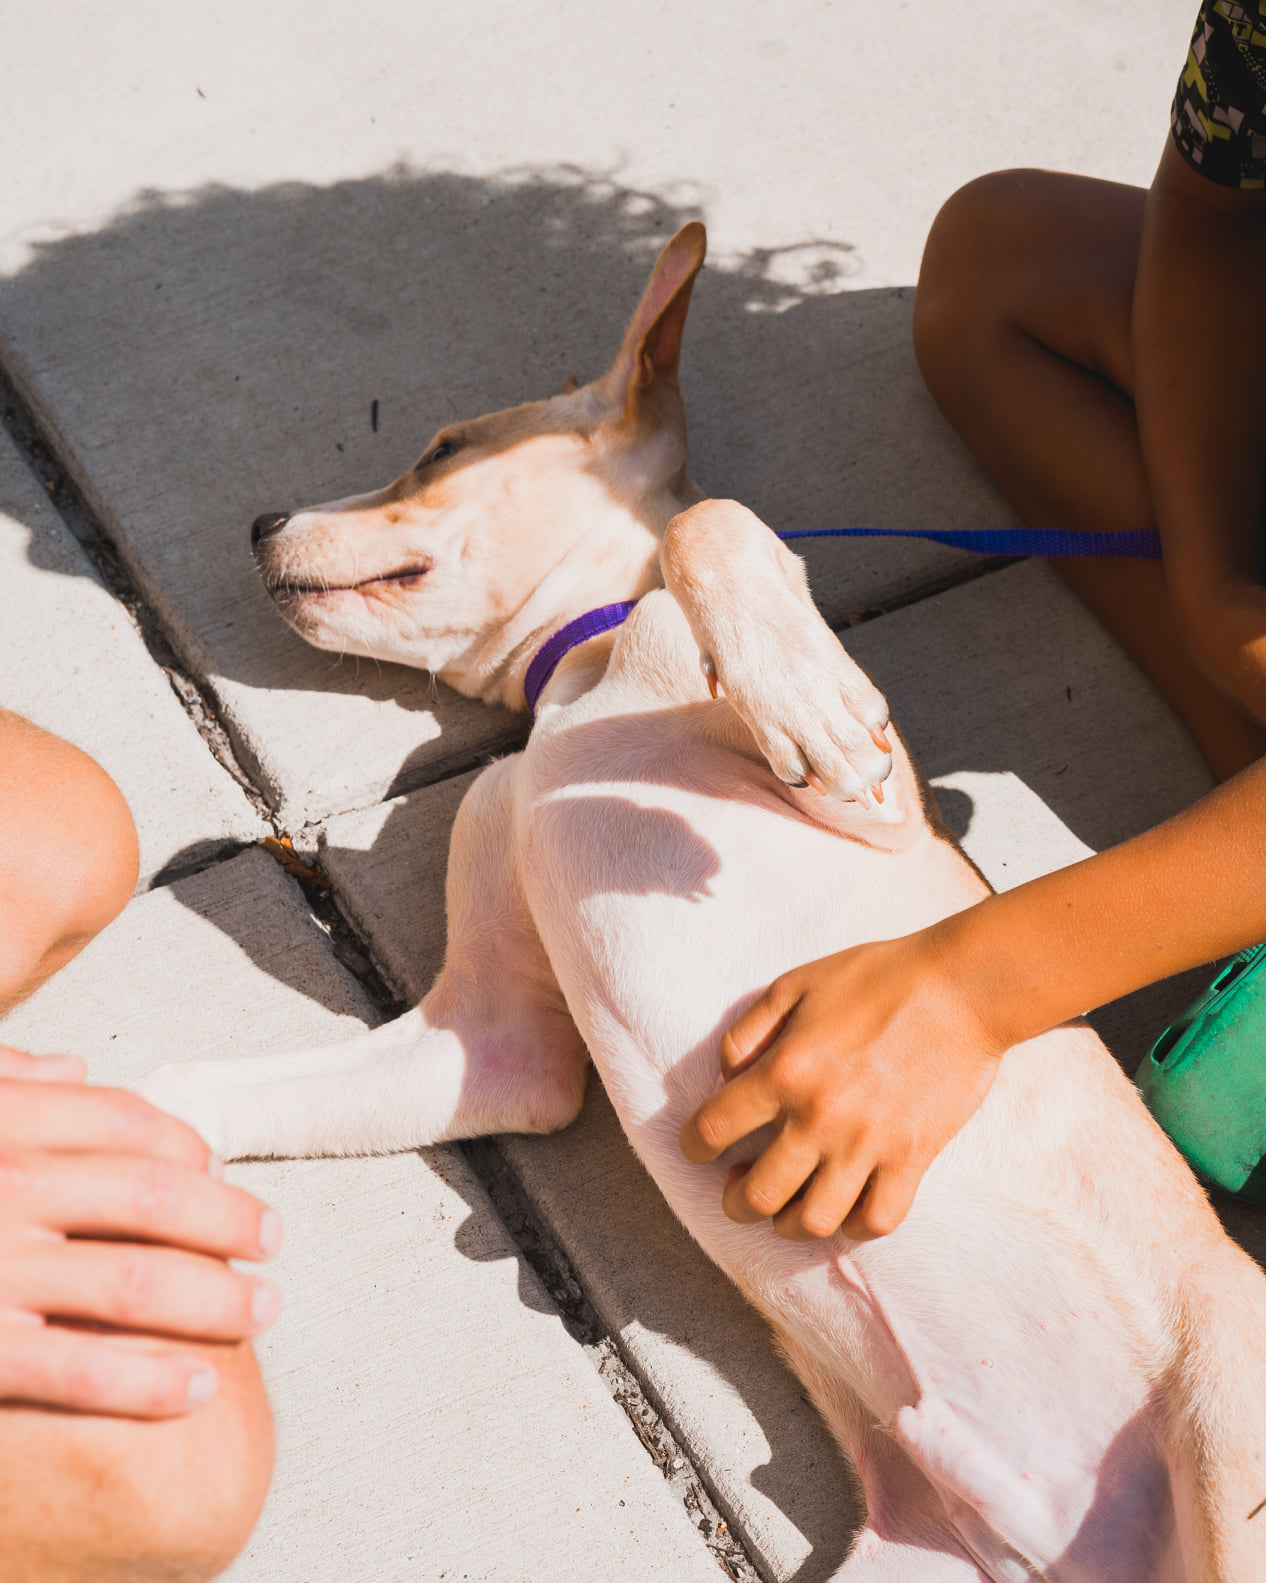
(692, 1311)
(293, 969)
(262, 350)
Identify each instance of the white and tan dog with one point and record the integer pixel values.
(1055, 1367)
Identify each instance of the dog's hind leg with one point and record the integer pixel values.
(907, 1536)
(492, 1047)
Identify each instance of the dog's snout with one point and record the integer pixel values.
(271, 522)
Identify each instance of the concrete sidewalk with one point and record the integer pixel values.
(255, 259)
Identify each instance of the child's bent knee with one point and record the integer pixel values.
(957, 276)
(99, 1500)
(981, 264)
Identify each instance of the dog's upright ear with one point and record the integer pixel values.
(651, 347)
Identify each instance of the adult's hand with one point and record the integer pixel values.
(866, 1063)
(115, 1229)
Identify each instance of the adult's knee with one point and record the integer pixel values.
(100, 1500)
(68, 852)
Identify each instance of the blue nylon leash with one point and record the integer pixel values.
(1142, 544)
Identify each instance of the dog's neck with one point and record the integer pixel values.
(554, 650)
(616, 560)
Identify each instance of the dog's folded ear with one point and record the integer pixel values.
(652, 343)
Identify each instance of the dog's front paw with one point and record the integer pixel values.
(817, 718)
(192, 1091)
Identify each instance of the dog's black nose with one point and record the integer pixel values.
(271, 522)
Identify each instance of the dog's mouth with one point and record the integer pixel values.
(404, 578)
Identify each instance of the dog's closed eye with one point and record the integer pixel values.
(438, 453)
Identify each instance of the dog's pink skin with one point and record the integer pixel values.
(1054, 1368)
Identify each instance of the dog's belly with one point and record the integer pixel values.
(664, 911)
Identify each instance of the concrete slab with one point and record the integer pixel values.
(72, 662)
(1010, 675)
(435, 1420)
(1043, 750)
(205, 295)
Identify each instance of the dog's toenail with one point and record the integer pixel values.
(271, 522)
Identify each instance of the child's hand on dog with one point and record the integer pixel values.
(867, 1063)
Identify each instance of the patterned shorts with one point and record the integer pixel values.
(1219, 114)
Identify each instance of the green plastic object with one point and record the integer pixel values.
(1205, 1079)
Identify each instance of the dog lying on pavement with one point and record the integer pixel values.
(1054, 1368)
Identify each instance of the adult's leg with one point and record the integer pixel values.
(68, 855)
(1022, 331)
(87, 1499)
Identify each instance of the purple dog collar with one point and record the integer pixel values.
(545, 661)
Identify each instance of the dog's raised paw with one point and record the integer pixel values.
(819, 722)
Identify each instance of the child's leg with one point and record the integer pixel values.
(68, 856)
(1022, 330)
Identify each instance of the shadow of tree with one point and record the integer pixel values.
(213, 354)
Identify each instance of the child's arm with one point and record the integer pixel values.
(869, 1061)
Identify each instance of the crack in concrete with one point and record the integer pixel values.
(84, 525)
(583, 1323)
(984, 566)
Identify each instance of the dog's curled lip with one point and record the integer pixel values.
(404, 574)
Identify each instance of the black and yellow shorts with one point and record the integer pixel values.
(1219, 114)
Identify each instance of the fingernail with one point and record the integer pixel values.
(215, 1165)
(269, 1233)
(265, 1304)
(202, 1386)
